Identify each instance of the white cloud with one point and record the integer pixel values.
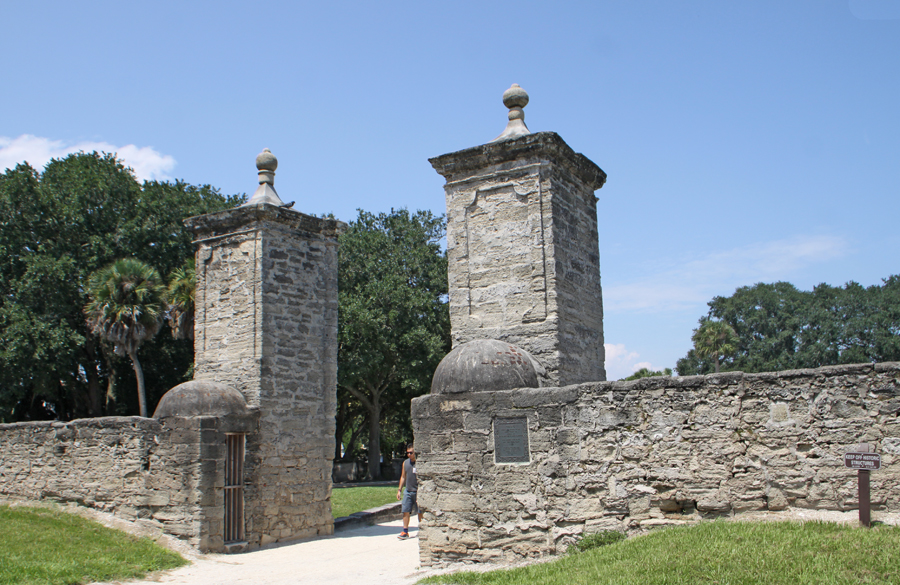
(616, 352)
(621, 362)
(147, 163)
(696, 281)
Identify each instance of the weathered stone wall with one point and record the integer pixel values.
(629, 456)
(522, 245)
(266, 324)
(136, 468)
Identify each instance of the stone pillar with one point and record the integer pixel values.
(266, 325)
(524, 264)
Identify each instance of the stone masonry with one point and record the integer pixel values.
(136, 468)
(522, 244)
(266, 325)
(630, 456)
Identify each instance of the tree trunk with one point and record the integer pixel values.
(717, 363)
(374, 468)
(111, 386)
(93, 376)
(339, 418)
(139, 373)
(373, 405)
(112, 379)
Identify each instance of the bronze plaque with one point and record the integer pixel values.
(511, 440)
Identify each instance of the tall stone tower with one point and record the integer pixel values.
(266, 325)
(523, 247)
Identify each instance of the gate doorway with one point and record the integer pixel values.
(234, 487)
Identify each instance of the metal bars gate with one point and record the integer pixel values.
(234, 487)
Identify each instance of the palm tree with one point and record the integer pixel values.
(126, 308)
(714, 339)
(180, 298)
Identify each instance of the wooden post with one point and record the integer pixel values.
(862, 480)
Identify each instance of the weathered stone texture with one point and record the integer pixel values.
(629, 456)
(266, 324)
(522, 244)
(139, 469)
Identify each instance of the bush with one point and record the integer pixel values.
(596, 540)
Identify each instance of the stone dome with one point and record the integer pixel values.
(484, 365)
(201, 398)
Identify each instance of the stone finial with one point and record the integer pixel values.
(266, 163)
(515, 98)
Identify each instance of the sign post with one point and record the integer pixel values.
(864, 461)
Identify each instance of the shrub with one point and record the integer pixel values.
(596, 540)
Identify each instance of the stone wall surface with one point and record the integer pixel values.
(137, 468)
(266, 324)
(630, 456)
(522, 245)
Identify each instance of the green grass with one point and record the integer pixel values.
(48, 547)
(346, 501)
(725, 553)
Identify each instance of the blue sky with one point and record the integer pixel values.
(744, 142)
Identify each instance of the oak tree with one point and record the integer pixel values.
(394, 324)
(779, 327)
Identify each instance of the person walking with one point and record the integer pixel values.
(408, 478)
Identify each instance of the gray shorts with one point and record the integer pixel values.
(409, 505)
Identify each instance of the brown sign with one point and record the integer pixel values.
(867, 461)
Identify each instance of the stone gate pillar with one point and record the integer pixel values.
(266, 325)
(522, 243)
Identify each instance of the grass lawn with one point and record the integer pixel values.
(40, 545)
(346, 501)
(726, 553)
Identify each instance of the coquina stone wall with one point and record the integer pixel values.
(139, 469)
(524, 266)
(630, 456)
(266, 325)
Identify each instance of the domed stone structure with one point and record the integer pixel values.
(201, 398)
(484, 365)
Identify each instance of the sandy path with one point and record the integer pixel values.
(364, 556)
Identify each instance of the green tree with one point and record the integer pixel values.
(126, 309)
(647, 373)
(180, 300)
(56, 228)
(713, 339)
(394, 325)
(768, 319)
(780, 327)
(887, 321)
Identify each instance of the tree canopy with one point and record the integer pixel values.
(180, 298)
(647, 373)
(713, 339)
(56, 228)
(394, 323)
(779, 327)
